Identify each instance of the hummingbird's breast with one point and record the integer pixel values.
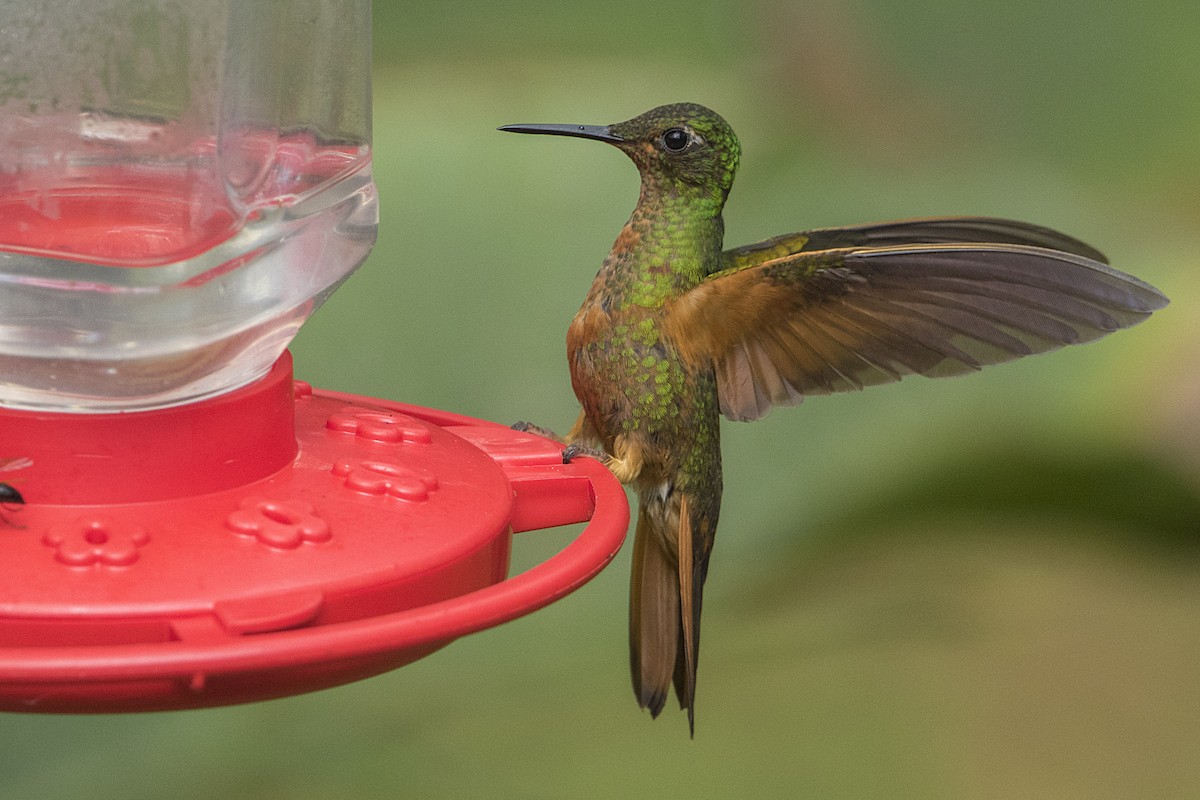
(632, 383)
(625, 368)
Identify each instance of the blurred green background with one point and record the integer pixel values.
(978, 588)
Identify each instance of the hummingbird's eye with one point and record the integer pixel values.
(675, 139)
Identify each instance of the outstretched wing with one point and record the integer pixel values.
(838, 320)
(928, 230)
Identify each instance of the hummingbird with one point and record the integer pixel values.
(677, 331)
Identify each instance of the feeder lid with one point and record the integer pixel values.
(255, 545)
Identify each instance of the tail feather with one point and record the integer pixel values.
(653, 616)
(665, 599)
(689, 616)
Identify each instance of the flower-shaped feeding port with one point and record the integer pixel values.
(282, 524)
(377, 426)
(385, 477)
(87, 542)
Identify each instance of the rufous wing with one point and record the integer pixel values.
(823, 321)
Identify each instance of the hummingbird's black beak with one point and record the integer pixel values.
(598, 132)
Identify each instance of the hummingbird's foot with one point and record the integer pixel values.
(536, 430)
(625, 465)
(575, 449)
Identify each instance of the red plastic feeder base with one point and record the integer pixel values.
(271, 541)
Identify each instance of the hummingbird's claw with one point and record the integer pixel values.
(536, 430)
(574, 450)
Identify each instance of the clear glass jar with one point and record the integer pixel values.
(182, 183)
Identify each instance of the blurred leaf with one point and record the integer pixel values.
(1117, 494)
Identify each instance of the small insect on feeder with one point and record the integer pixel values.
(181, 186)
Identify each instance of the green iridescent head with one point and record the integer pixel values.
(685, 142)
(680, 144)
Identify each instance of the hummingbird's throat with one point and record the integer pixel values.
(680, 198)
(664, 250)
